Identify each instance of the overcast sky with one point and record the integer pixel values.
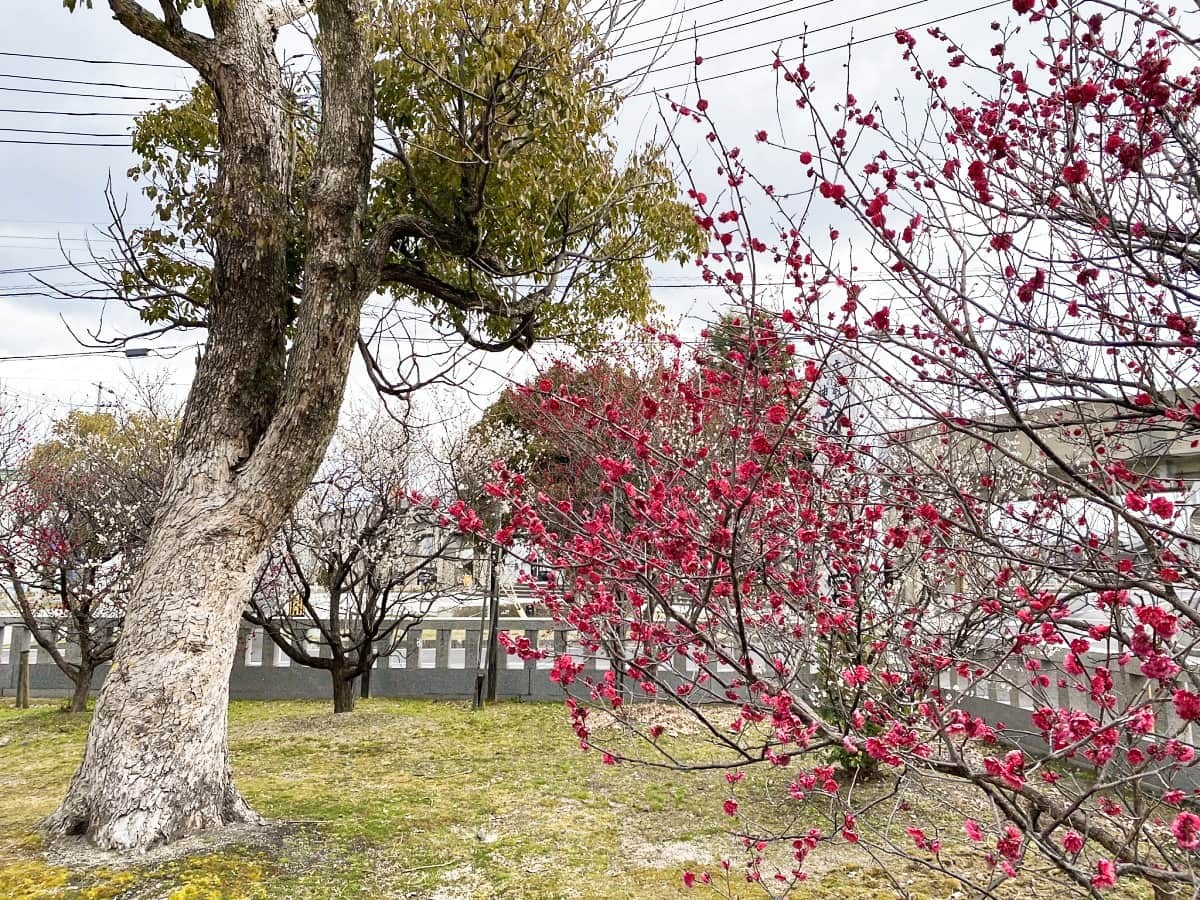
(54, 193)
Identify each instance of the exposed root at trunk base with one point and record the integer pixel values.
(125, 825)
(78, 852)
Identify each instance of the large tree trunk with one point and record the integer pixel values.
(156, 765)
(258, 422)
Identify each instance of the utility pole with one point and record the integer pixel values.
(129, 353)
(494, 623)
(100, 391)
(20, 648)
(485, 658)
(23, 681)
(480, 674)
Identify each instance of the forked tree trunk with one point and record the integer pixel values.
(258, 421)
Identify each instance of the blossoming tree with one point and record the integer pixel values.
(75, 515)
(970, 484)
(346, 562)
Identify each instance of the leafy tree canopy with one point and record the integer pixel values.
(492, 130)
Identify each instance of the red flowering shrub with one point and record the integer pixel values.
(953, 538)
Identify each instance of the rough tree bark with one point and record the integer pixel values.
(257, 423)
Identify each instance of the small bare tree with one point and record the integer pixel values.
(350, 572)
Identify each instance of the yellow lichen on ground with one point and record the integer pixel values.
(31, 878)
(215, 877)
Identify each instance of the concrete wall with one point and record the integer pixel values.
(437, 660)
(1006, 701)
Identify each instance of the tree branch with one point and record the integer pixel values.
(167, 33)
(285, 12)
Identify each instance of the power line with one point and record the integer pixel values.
(659, 69)
(104, 134)
(53, 295)
(42, 398)
(775, 42)
(652, 43)
(94, 62)
(77, 354)
(684, 12)
(62, 143)
(20, 90)
(54, 238)
(29, 247)
(42, 285)
(627, 51)
(809, 54)
(25, 270)
(87, 222)
(647, 92)
(116, 84)
(657, 43)
(621, 49)
(40, 289)
(35, 249)
(66, 112)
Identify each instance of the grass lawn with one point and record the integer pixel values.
(416, 799)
